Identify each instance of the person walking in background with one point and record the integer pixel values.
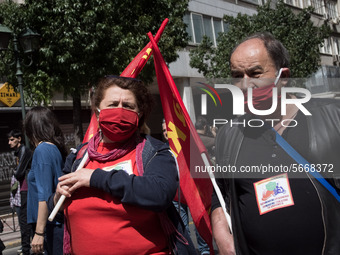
(207, 135)
(43, 131)
(164, 132)
(14, 196)
(18, 196)
(2, 245)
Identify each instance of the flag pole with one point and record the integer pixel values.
(217, 190)
(63, 197)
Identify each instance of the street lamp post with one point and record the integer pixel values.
(29, 42)
(19, 75)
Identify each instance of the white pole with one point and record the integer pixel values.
(217, 190)
(62, 198)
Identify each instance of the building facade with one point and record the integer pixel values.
(206, 18)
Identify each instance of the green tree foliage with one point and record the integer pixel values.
(82, 41)
(295, 31)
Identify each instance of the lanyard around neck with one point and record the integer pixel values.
(308, 168)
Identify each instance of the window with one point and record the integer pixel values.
(336, 46)
(208, 29)
(197, 21)
(296, 3)
(217, 24)
(253, 1)
(317, 4)
(199, 25)
(225, 27)
(327, 47)
(186, 20)
(331, 9)
(291, 2)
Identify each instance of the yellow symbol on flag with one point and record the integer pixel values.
(148, 51)
(8, 95)
(175, 134)
(179, 113)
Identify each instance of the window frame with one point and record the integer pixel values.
(211, 22)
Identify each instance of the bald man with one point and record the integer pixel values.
(276, 212)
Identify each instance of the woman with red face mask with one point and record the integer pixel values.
(121, 201)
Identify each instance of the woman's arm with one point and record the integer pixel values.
(38, 238)
(153, 191)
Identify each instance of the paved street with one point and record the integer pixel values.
(11, 250)
(11, 234)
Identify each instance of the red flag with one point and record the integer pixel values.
(186, 145)
(132, 71)
(92, 128)
(137, 64)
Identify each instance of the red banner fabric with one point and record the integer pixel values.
(137, 64)
(187, 147)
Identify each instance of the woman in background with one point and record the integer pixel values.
(43, 131)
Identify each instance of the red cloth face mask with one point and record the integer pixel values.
(262, 98)
(118, 124)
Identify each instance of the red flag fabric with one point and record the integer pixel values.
(92, 128)
(137, 64)
(131, 71)
(187, 147)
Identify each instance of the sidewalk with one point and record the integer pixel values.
(11, 234)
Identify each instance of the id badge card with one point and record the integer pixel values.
(125, 166)
(273, 193)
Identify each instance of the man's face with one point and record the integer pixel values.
(14, 142)
(251, 65)
(165, 133)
